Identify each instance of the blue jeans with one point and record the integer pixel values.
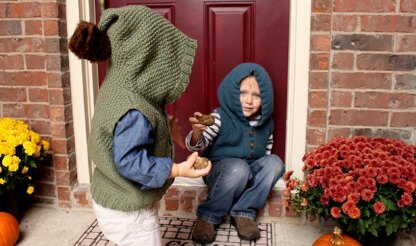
(238, 187)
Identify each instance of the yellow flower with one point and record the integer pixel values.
(34, 137)
(45, 144)
(5, 149)
(24, 170)
(7, 160)
(2, 181)
(29, 147)
(13, 167)
(30, 189)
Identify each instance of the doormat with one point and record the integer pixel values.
(177, 232)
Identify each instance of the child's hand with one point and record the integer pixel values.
(186, 168)
(197, 128)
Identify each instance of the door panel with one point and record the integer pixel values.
(228, 33)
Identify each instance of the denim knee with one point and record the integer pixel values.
(273, 164)
(237, 172)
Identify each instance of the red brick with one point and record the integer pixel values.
(358, 117)
(64, 193)
(62, 178)
(56, 63)
(172, 200)
(385, 133)
(322, 6)
(187, 200)
(318, 99)
(35, 61)
(58, 80)
(51, 10)
(315, 136)
(37, 111)
(403, 119)
(8, 94)
(361, 80)
(63, 146)
(11, 61)
(385, 100)
(338, 132)
(33, 27)
(24, 78)
(388, 62)
(59, 96)
(321, 22)
(290, 212)
(317, 118)
(46, 174)
(38, 95)
(388, 24)
(62, 130)
(10, 27)
(50, 27)
(61, 162)
(14, 110)
(365, 6)
(407, 6)
(319, 61)
(42, 127)
(275, 209)
(203, 195)
(345, 23)
(367, 42)
(25, 9)
(44, 189)
(341, 99)
(406, 43)
(80, 195)
(2, 10)
(318, 80)
(343, 61)
(59, 113)
(320, 42)
(405, 82)
(22, 45)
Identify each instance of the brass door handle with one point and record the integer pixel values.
(101, 5)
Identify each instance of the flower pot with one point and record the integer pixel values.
(381, 240)
(15, 203)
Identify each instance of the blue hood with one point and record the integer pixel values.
(229, 91)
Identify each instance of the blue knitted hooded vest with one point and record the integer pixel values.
(236, 138)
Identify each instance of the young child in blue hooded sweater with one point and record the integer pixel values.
(239, 146)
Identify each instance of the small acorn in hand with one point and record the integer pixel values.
(207, 120)
(201, 162)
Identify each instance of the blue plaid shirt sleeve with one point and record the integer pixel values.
(132, 142)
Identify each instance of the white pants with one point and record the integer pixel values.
(129, 228)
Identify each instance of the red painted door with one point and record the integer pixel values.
(228, 33)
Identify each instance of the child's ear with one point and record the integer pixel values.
(89, 42)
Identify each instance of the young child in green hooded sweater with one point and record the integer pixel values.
(239, 145)
(130, 144)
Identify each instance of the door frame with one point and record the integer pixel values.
(84, 94)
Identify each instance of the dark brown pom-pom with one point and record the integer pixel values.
(89, 42)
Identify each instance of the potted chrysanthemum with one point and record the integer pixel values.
(367, 185)
(21, 151)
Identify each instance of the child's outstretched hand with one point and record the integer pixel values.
(186, 168)
(197, 128)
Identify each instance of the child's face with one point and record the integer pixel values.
(250, 97)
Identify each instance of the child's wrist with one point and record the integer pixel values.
(174, 171)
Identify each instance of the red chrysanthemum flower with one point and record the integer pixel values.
(335, 212)
(379, 207)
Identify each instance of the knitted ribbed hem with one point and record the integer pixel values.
(185, 69)
(124, 200)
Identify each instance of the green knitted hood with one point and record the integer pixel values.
(156, 65)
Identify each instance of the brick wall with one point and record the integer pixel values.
(362, 70)
(35, 86)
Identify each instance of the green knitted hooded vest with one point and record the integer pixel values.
(149, 67)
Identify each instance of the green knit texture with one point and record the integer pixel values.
(149, 67)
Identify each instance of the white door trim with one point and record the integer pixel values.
(84, 88)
